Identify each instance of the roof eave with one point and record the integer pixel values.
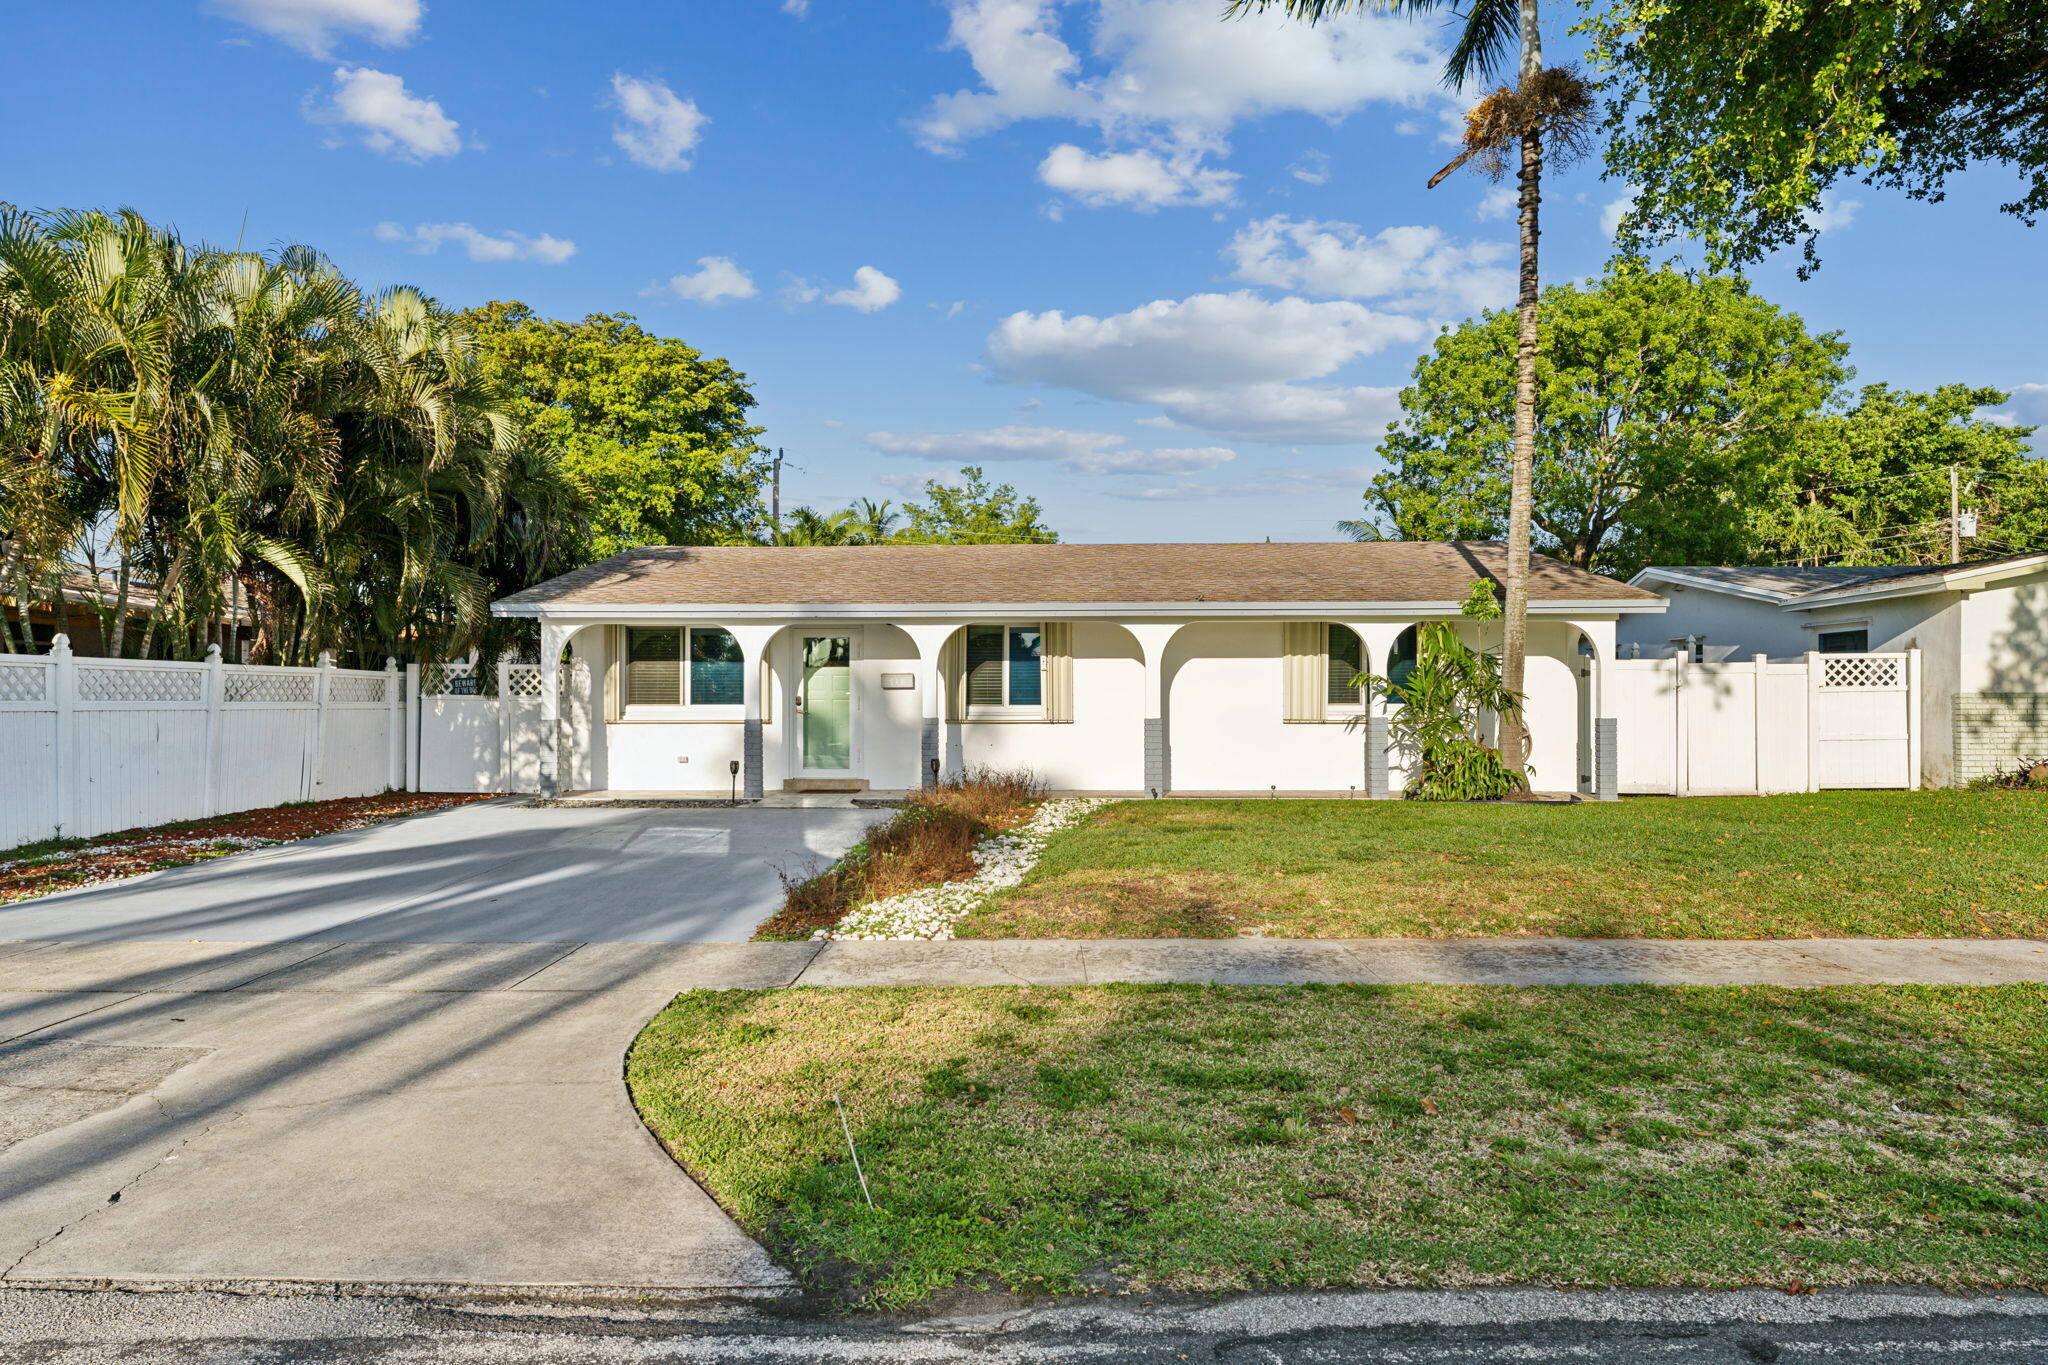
(640, 611)
(1657, 575)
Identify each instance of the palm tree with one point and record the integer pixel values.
(874, 522)
(807, 526)
(1493, 35)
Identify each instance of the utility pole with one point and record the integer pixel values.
(1955, 515)
(775, 495)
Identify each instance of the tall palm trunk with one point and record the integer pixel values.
(1514, 635)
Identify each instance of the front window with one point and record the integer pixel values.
(1401, 663)
(1347, 661)
(1855, 641)
(656, 676)
(1004, 668)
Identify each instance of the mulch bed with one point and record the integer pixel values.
(61, 864)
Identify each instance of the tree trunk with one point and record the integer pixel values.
(1514, 626)
(1514, 634)
(117, 641)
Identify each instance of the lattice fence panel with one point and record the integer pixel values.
(522, 680)
(354, 687)
(270, 685)
(448, 680)
(1874, 671)
(24, 682)
(98, 683)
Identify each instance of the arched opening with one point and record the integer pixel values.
(1401, 660)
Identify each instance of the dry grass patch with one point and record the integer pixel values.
(1214, 1138)
(1829, 864)
(930, 841)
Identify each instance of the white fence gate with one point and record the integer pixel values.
(93, 745)
(468, 742)
(1764, 725)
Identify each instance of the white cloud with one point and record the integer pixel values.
(800, 9)
(997, 443)
(428, 238)
(658, 129)
(1083, 452)
(1614, 210)
(1144, 180)
(1172, 64)
(312, 26)
(1278, 482)
(2028, 407)
(717, 278)
(1409, 267)
(393, 120)
(1313, 168)
(1167, 80)
(870, 292)
(1501, 202)
(1834, 212)
(1229, 363)
(1169, 461)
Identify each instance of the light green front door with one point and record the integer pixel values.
(825, 703)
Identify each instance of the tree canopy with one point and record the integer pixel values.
(1662, 395)
(254, 436)
(973, 512)
(1687, 421)
(657, 433)
(1731, 118)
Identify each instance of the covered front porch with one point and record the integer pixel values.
(643, 704)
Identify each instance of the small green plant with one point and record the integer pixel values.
(2029, 774)
(1441, 702)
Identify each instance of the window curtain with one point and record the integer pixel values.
(614, 673)
(1056, 655)
(1304, 672)
(953, 667)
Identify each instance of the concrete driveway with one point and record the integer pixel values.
(492, 873)
(387, 1057)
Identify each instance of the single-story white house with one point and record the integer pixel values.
(1124, 669)
(1981, 629)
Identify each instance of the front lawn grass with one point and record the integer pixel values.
(1830, 864)
(1208, 1138)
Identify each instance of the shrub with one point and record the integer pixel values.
(1441, 702)
(931, 840)
(2029, 774)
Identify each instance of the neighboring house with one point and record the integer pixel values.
(1981, 629)
(1101, 668)
(86, 596)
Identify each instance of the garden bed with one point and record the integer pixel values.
(1123, 1139)
(63, 864)
(1887, 864)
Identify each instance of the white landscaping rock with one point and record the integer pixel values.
(1000, 861)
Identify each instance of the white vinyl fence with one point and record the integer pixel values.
(467, 741)
(92, 745)
(1764, 725)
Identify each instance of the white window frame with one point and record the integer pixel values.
(1005, 710)
(1342, 710)
(683, 709)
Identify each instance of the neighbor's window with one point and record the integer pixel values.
(1003, 667)
(1845, 641)
(1347, 661)
(655, 675)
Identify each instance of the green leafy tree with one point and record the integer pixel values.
(975, 513)
(1731, 118)
(1870, 484)
(1666, 398)
(656, 432)
(1546, 111)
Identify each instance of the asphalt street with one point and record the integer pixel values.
(1447, 1328)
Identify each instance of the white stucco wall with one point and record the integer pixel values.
(1226, 730)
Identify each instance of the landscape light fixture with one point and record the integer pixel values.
(734, 768)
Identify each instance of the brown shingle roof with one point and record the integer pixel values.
(1346, 571)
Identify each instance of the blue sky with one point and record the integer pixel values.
(1164, 274)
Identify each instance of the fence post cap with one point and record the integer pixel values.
(325, 658)
(390, 663)
(213, 654)
(60, 645)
